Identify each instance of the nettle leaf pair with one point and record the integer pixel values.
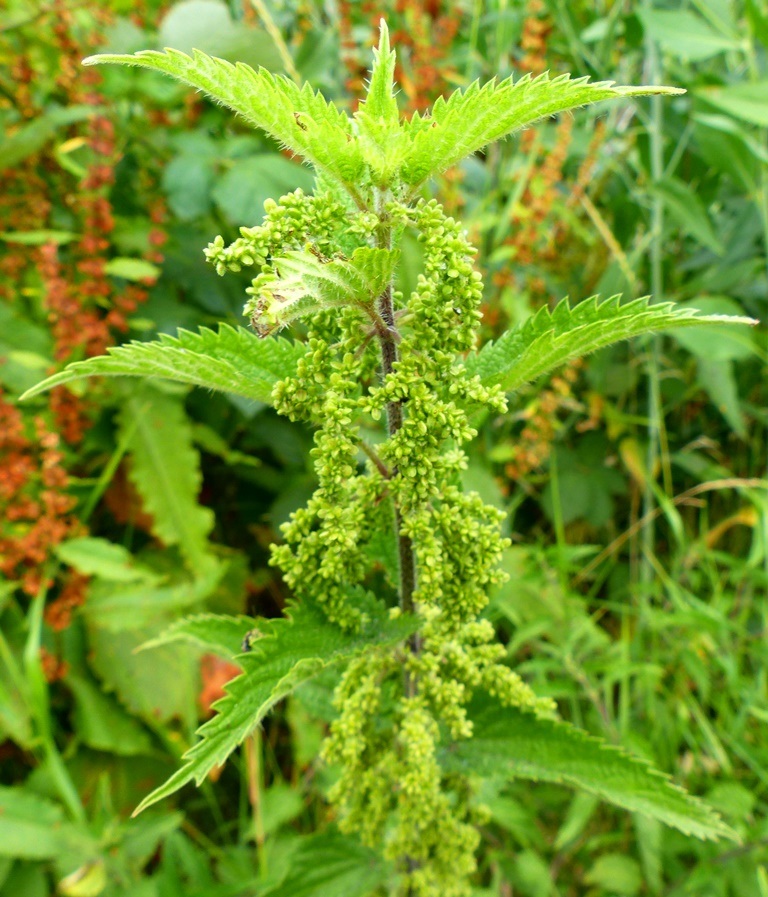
(426, 701)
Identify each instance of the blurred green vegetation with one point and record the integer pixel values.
(635, 481)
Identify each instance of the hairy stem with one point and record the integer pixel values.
(394, 423)
(388, 340)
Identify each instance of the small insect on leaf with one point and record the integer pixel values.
(249, 638)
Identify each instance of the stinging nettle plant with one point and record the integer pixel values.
(426, 702)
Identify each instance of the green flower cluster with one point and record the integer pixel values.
(395, 706)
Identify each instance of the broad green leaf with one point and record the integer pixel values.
(299, 118)
(35, 828)
(208, 25)
(187, 182)
(532, 874)
(758, 19)
(19, 370)
(230, 359)
(688, 211)
(241, 192)
(290, 652)
(306, 284)
(117, 607)
(218, 633)
(101, 722)
(616, 874)
(132, 269)
(650, 844)
(157, 686)
(716, 348)
(469, 120)
(141, 838)
(31, 137)
(30, 879)
(332, 865)
(727, 125)
(281, 804)
(579, 813)
(38, 237)
(25, 349)
(16, 720)
(746, 101)
(507, 741)
(718, 379)
(717, 342)
(165, 469)
(100, 557)
(550, 338)
(683, 34)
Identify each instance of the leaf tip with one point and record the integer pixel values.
(651, 90)
(34, 391)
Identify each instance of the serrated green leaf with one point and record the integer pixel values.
(507, 741)
(159, 686)
(359, 279)
(218, 633)
(332, 865)
(382, 141)
(717, 343)
(35, 828)
(384, 147)
(307, 284)
(299, 118)
(290, 652)
(380, 100)
(231, 360)
(165, 469)
(550, 338)
(469, 120)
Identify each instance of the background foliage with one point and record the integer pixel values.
(632, 481)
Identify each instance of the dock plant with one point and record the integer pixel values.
(391, 561)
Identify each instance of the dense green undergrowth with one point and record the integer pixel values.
(633, 492)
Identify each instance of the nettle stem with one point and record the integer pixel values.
(394, 423)
(388, 340)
